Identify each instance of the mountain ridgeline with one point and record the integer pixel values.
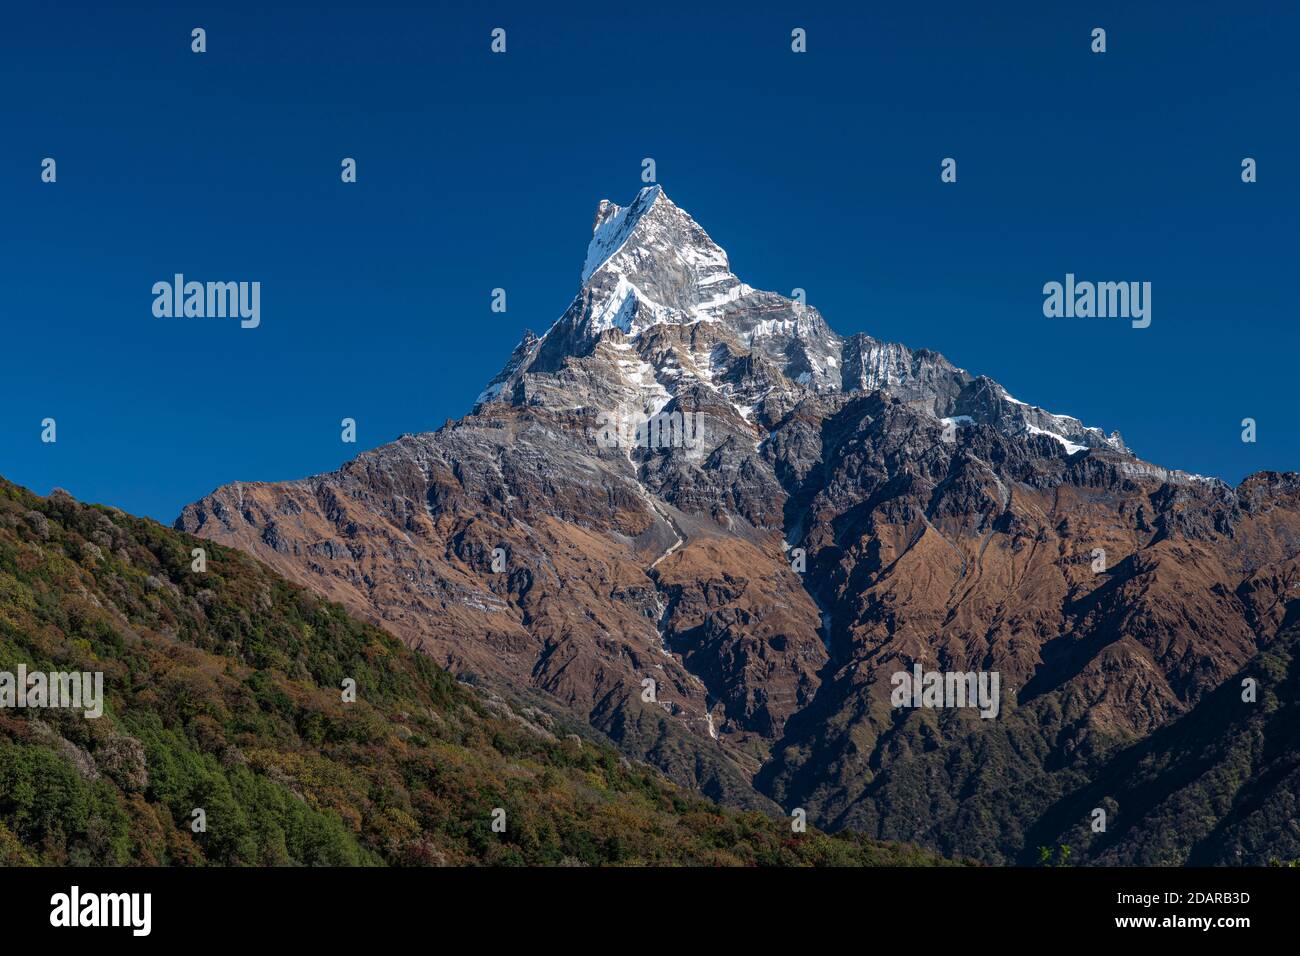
(225, 737)
(733, 608)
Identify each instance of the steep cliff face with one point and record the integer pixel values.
(695, 515)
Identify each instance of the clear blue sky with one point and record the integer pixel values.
(476, 171)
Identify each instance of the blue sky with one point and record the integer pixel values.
(478, 171)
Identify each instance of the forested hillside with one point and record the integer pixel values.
(224, 692)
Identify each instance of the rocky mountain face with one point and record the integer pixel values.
(693, 514)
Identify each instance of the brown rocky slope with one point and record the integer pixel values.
(938, 519)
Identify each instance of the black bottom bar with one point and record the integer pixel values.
(357, 907)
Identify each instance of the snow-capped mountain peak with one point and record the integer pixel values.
(650, 263)
(660, 316)
(613, 225)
